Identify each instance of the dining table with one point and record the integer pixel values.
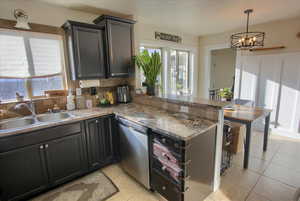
(247, 115)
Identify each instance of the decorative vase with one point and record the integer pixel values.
(150, 90)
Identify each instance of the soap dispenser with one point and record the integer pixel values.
(70, 101)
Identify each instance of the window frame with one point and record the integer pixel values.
(37, 35)
(165, 55)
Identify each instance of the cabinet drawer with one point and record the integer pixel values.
(39, 136)
(165, 188)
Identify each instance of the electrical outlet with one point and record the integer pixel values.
(184, 109)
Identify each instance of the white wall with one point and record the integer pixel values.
(222, 68)
(43, 13)
(277, 33)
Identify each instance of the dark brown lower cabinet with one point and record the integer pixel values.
(36, 161)
(22, 172)
(33, 162)
(65, 158)
(101, 141)
(29, 170)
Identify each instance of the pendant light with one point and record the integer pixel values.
(247, 40)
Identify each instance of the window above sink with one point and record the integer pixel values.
(30, 63)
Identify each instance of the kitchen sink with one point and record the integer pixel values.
(53, 117)
(16, 123)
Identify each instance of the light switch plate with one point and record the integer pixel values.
(184, 109)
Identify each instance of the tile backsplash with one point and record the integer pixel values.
(41, 105)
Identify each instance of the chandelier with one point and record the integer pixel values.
(247, 40)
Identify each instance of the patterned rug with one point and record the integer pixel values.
(93, 187)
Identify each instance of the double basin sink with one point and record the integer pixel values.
(28, 121)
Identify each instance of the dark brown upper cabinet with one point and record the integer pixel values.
(86, 50)
(119, 48)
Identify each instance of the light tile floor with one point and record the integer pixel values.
(272, 176)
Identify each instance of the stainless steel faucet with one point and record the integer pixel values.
(29, 105)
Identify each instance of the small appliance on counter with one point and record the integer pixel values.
(123, 94)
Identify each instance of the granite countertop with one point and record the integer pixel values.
(193, 101)
(245, 113)
(178, 125)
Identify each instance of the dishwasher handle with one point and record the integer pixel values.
(132, 125)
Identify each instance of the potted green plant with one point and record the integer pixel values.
(226, 94)
(151, 65)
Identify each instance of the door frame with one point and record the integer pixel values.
(207, 64)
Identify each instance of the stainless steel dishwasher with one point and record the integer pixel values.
(134, 150)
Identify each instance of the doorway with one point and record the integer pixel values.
(222, 69)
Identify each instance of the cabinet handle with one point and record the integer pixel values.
(163, 188)
(41, 147)
(97, 121)
(46, 146)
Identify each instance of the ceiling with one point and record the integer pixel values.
(196, 17)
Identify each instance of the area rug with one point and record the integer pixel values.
(93, 187)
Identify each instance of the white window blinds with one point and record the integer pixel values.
(13, 59)
(29, 55)
(46, 56)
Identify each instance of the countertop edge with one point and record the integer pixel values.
(75, 119)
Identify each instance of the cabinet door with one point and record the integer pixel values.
(107, 139)
(65, 158)
(93, 143)
(100, 142)
(88, 53)
(22, 172)
(120, 48)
